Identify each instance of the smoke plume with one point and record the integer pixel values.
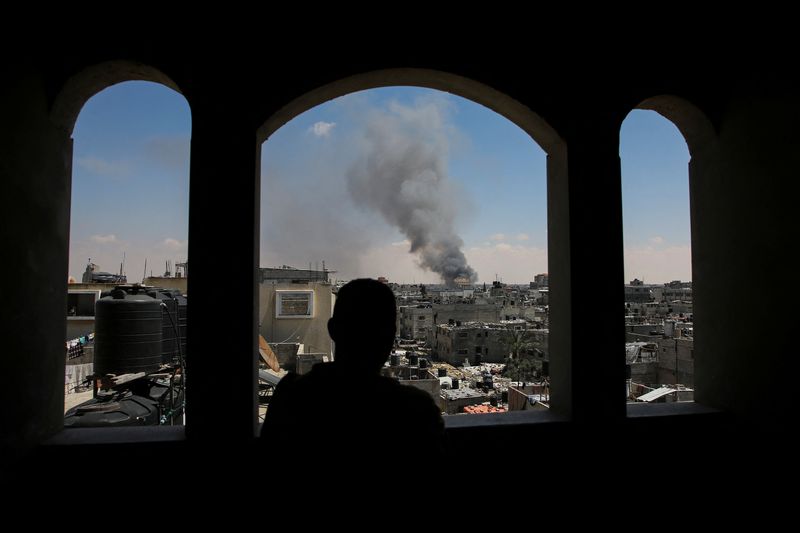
(402, 174)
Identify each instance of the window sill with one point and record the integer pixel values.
(513, 418)
(648, 410)
(121, 435)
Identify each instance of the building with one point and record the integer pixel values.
(415, 321)
(294, 307)
(480, 342)
(738, 113)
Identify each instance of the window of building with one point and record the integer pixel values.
(128, 225)
(81, 303)
(657, 239)
(359, 178)
(294, 304)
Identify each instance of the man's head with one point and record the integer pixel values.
(363, 324)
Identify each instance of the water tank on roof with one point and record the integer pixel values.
(169, 341)
(413, 359)
(128, 335)
(423, 362)
(394, 360)
(181, 321)
(442, 372)
(454, 383)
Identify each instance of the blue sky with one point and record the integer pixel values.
(655, 194)
(130, 187)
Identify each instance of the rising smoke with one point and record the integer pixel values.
(402, 174)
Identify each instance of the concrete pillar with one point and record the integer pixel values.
(223, 289)
(597, 335)
(34, 230)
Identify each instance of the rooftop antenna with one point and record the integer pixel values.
(144, 274)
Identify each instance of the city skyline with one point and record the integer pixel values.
(130, 187)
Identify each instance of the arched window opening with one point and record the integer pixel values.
(128, 245)
(659, 314)
(440, 198)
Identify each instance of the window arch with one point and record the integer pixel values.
(538, 129)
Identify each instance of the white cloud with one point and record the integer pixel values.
(103, 168)
(104, 239)
(522, 237)
(498, 237)
(174, 244)
(658, 239)
(322, 129)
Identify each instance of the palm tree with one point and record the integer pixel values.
(518, 341)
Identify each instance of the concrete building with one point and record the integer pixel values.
(421, 378)
(676, 361)
(415, 321)
(533, 396)
(80, 311)
(180, 283)
(484, 342)
(466, 312)
(454, 400)
(636, 291)
(296, 312)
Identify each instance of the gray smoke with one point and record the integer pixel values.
(402, 174)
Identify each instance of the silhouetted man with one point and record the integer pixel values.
(345, 409)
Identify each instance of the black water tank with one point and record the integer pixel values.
(127, 334)
(442, 372)
(126, 410)
(413, 359)
(423, 363)
(394, 360)
(183, 309)
(454, 383)
(169, 341)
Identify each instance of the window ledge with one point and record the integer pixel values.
(121, 435)
(513, 418)
(645, 410)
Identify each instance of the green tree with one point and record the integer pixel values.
(522, 369)
(518, 342)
